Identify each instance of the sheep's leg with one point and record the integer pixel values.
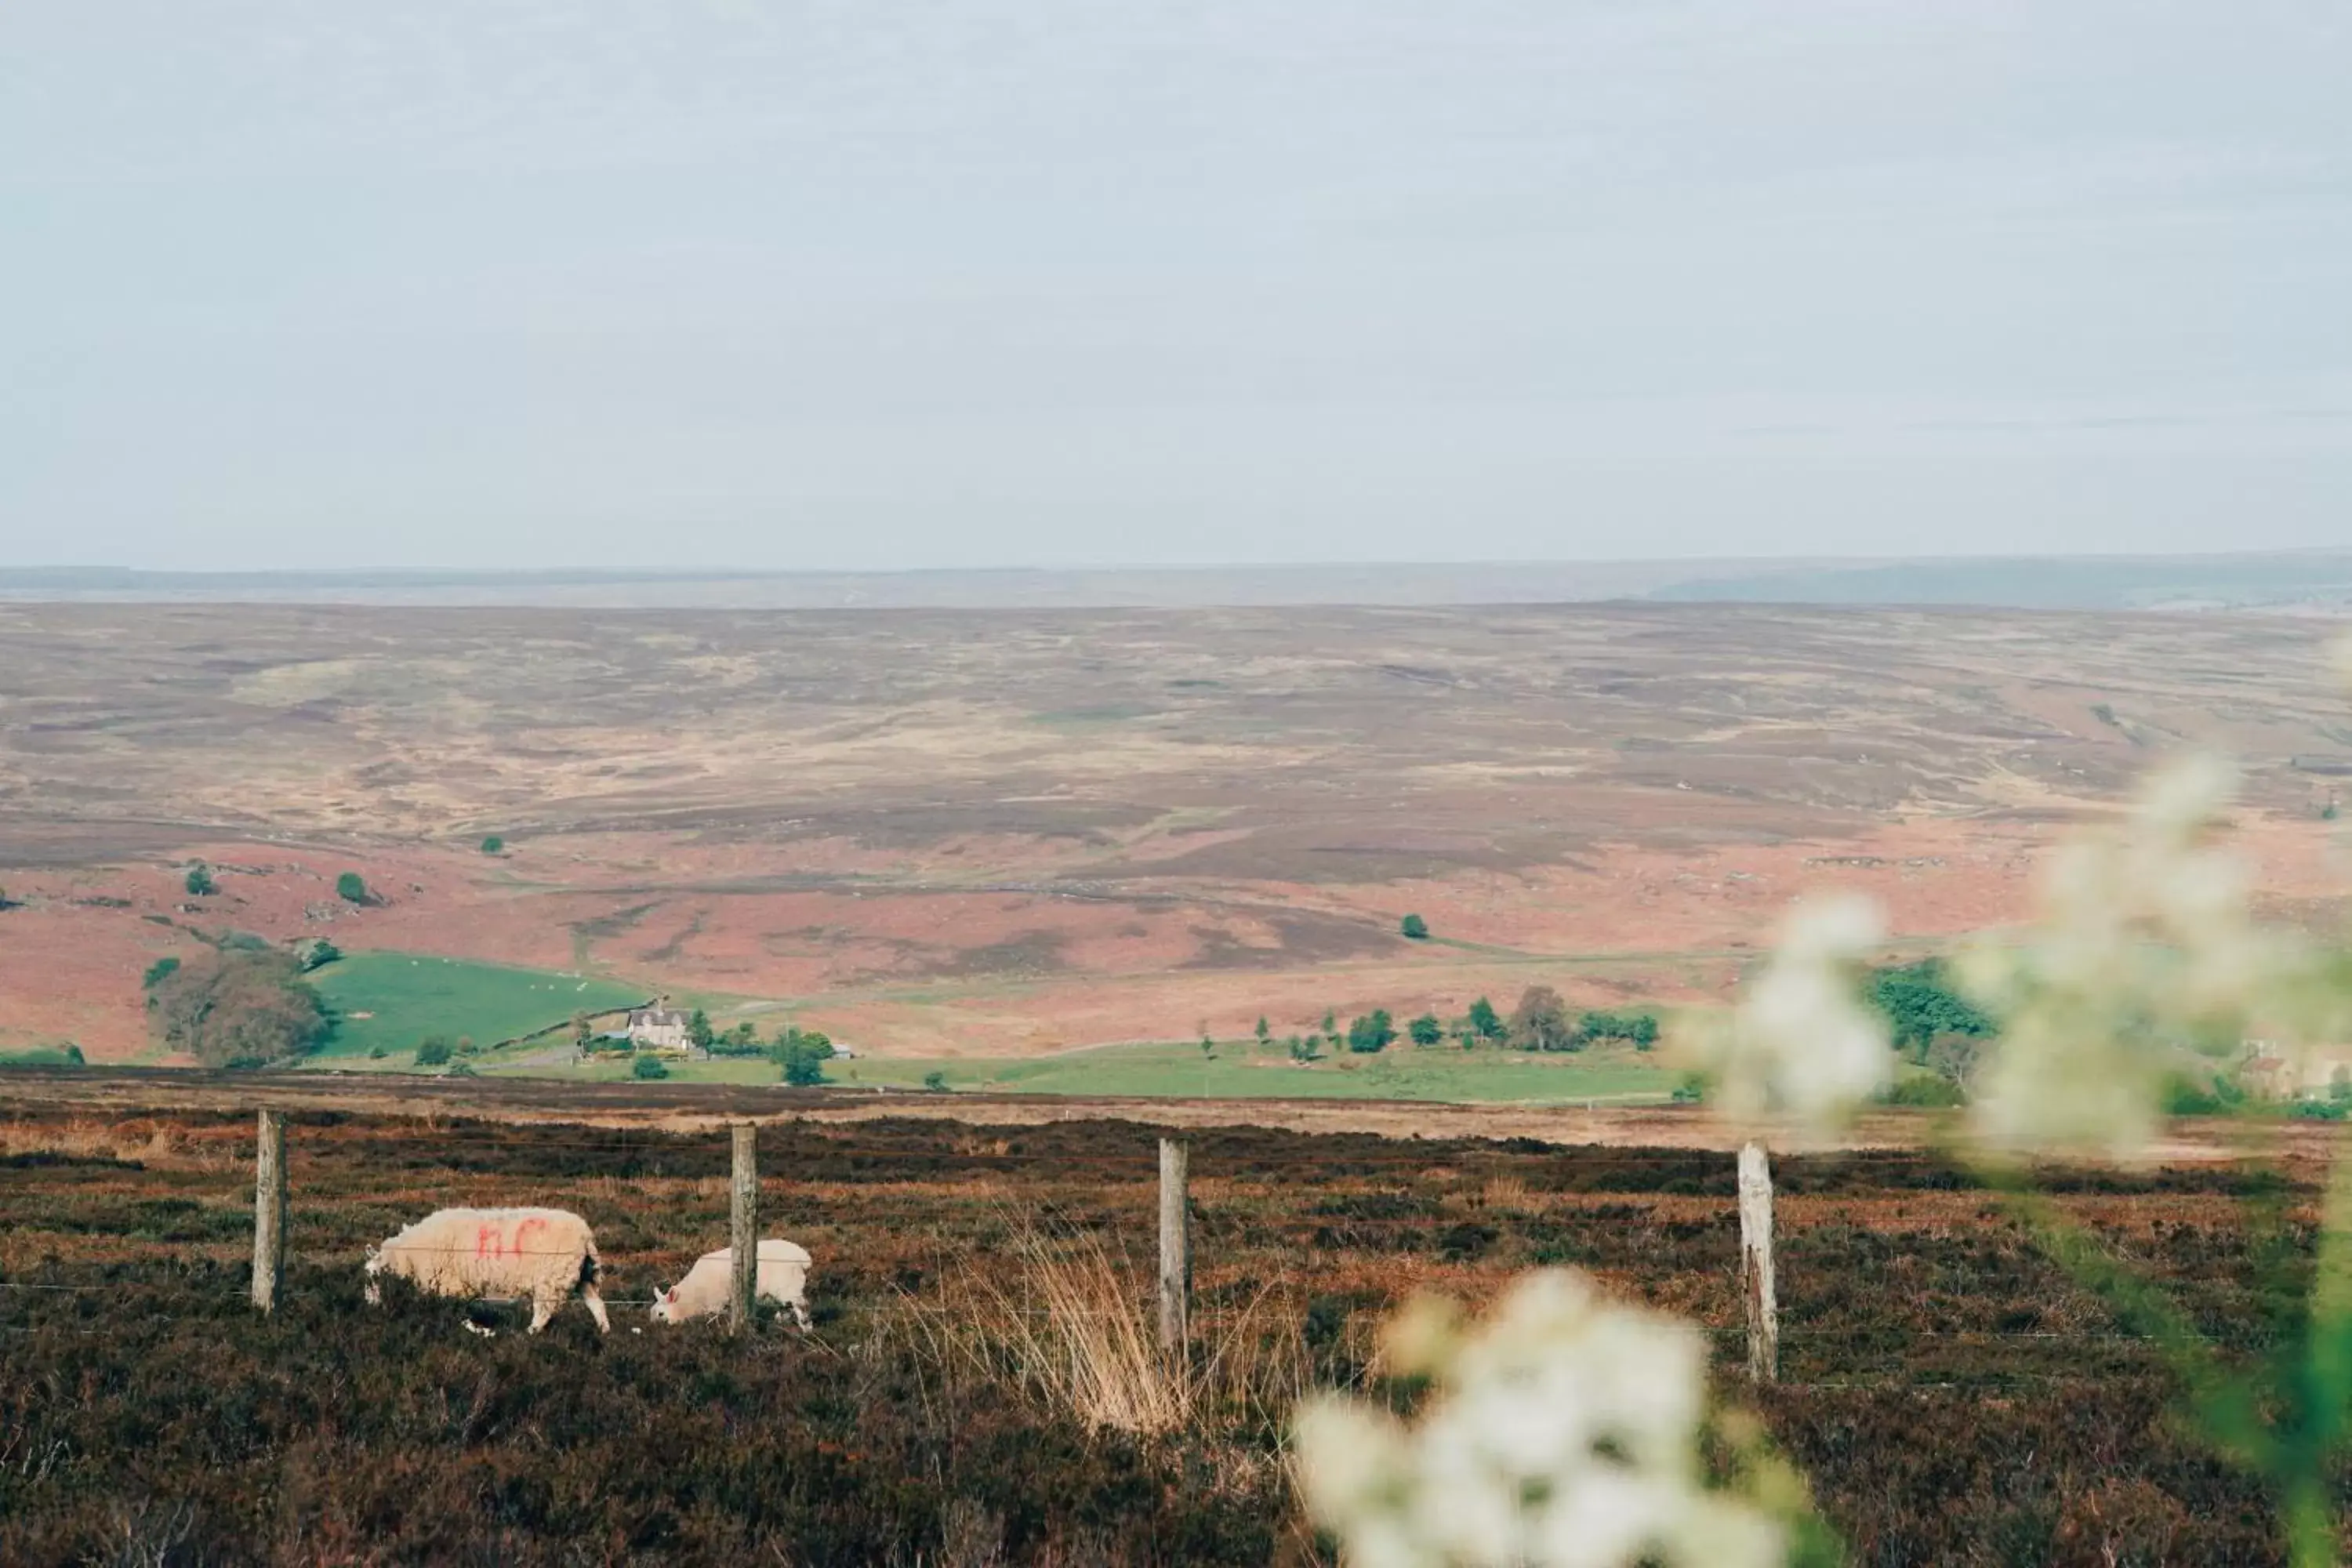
(596, 1309)
(542, 1307)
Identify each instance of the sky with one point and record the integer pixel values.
(833, 284)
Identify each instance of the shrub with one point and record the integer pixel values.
(376, 1053)
(1692, 1090)
(1639, 1030)
(1302, 1047)
(65, 1056)
(1425, 1030)
(238, 1009)
(648, 1067)
(433, 1050)
(2200, 1095)
(1485, 1021)
(461, 1070)
(315, 953)
(494, 845)
(936, 1081)
(157, 973)
(350, 888)
(1414, 928)
(1370, 1033)
(1924, 1091)
(200, 883)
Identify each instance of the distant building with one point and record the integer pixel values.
(660, 1027)
(2322, 1072)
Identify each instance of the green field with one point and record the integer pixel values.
(410, 995)
(1240, 1069)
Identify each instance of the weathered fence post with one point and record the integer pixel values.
(1175, 1246)
(270, 1211)
(744, 1227)
(1756, 1264)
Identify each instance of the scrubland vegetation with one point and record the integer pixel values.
(978, 1388)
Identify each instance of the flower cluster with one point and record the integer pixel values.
(1801, 1045)
(1561, 1432)
(2146, 951)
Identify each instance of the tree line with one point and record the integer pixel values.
(1541, 1022)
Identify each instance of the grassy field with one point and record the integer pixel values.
(395, 999)
(1164, 1070)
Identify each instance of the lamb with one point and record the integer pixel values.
(783, 1279)
(470, 1253)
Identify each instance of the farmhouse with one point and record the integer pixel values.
(660, 1027)
(2324, 1072)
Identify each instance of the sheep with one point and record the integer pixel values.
(783, 1278)
(469, 1253)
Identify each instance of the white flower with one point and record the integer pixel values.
(1801, 1044)
(1560, 1433)
(2147, 951)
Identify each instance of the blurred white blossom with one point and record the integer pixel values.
(1801, 1044)
(2146, 951)
(1559, 1433)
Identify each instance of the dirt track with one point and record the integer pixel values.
(679, 1108)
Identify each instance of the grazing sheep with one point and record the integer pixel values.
(783, 1278)
(468, 1252)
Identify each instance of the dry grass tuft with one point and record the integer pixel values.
(1073, 1326)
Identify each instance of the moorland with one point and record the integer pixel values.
(1952, 1397)
(949, 835)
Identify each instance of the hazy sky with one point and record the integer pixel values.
(860, 284)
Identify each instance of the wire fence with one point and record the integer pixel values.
(341, 1168)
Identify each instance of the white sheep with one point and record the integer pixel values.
(783, 1279)
(471, 1253)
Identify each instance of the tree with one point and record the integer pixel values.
(1539, 1023)
(1426, 1030)
(1415, 928)
(698, 1030)
(1264, 1030)
(1955, 1056)
(1372, 1032)
(200, 883)
(1485, 1021)
(1302, 1049)
(583, 1034)
(350, 888)
(494, 845)
(1330, 1023)
(804, 1059)
(648, 1067)
(1921, 1003)
(238, 1009)
(316, 952)
(435, 1050)
(936, 1081)
(157, 973)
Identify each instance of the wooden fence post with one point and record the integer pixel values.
(270, 1211)
(1756, 1264)
(744, 1227)
(1175, 1246)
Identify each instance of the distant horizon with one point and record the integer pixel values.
(677, 573)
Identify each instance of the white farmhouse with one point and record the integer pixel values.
(660, 1027)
